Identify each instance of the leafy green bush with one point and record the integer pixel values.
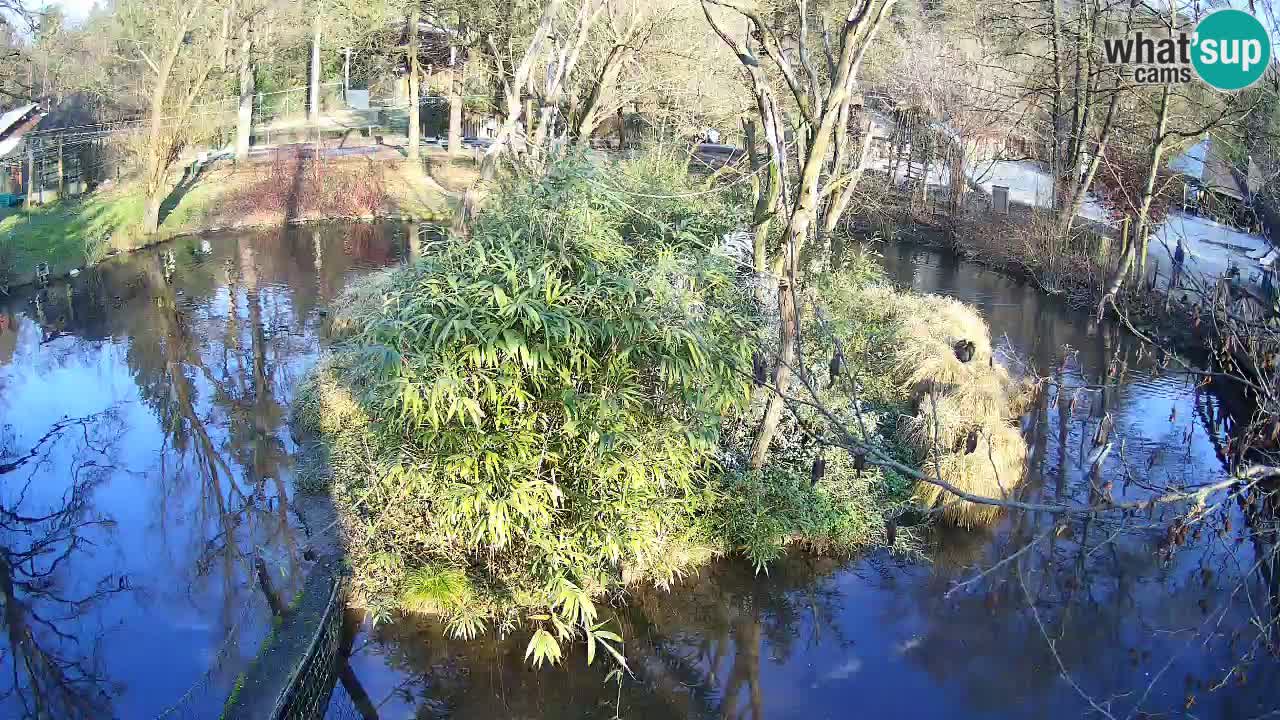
(530, 418)
(559, 406)
(842, 508)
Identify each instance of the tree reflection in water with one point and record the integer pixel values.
(49, 666)
(203, 339)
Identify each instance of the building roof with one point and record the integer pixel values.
(13, 124)
(11, 118)
(1207, 164)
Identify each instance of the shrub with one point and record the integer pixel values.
(558, 407)
(297, 185)
(530, 418)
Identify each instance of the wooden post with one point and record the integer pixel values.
(31, 170)
(62, 176)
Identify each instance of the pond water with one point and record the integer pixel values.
(145, 462)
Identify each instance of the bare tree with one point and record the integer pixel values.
(53, 673)
(822, 104)
(177, 44)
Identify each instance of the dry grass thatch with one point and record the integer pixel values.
(962, 427)
(993, 469)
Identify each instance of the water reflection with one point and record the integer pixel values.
(45, 582)
(191, 351)
(1093, 618)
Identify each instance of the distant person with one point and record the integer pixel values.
(1179, 257)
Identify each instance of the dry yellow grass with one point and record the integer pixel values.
(963, 425)
(994, 469)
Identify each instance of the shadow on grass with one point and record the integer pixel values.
(190, 177)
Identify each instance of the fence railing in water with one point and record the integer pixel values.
(306, 695)
(294, 676)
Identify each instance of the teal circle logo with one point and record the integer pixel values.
(1231, 49)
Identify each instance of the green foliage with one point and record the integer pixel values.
(81, 231)
(764, 512)
(66, 234)
(234, 697)
(557, 407)
(435, 590)
(540, 404)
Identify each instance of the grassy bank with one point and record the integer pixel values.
(559, 407)
(81, 231)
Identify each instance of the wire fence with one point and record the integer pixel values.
(306, 697)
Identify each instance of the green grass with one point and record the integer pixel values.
(66, 234)
(80, 231)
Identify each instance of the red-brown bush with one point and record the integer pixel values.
(297, 185)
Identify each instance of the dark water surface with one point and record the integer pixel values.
(145, 461)
(150, 402)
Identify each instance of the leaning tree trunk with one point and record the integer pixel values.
(1138, 230)
(821, 120)
(588, 116)
(415, 120)
(1080, 188)
(244, 117)
(511, 91)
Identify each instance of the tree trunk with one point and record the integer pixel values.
(549, 122)
(1059, 140)
(415, 120)
(1138, 230)
(313, 109)
(151, 206)
(787, 332)
(244, 116)
(1080, 187)
(511, 91)
(767, 189)
(455, 114)
(837, 206)
(813, 153)
(588, 117)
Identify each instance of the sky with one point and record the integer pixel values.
(74, 10)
